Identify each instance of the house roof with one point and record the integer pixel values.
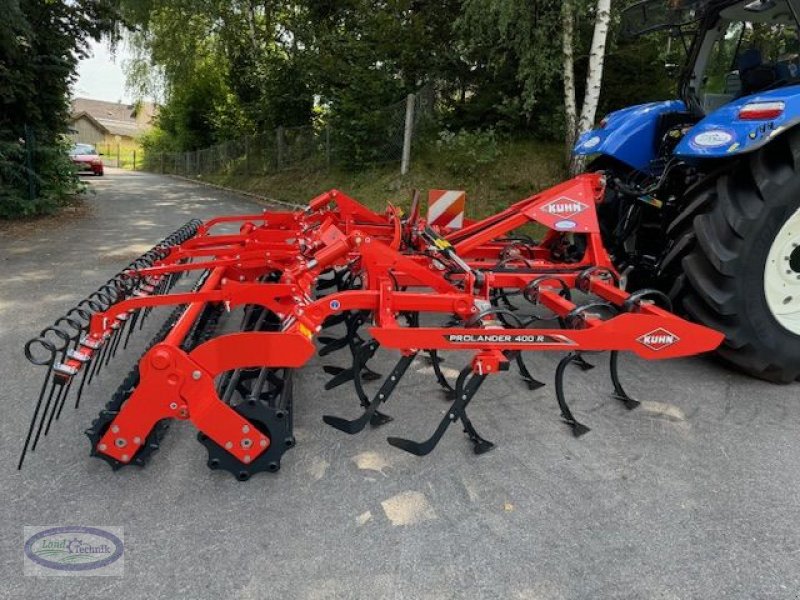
(115, 118)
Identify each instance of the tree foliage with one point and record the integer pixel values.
(229, 67)
(41, 42)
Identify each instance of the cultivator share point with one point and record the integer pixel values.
(254, 304)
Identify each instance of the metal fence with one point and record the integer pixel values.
(382, 136)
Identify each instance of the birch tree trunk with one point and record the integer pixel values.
(570, 107)
(594, 76)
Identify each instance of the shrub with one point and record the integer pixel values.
(465, 152)
(36, 183)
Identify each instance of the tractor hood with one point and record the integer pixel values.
(742, 125)
(628, 135)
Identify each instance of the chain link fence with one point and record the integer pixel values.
(380, 137)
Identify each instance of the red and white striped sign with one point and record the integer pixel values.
(446, 208)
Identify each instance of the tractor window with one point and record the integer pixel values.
(750, 57)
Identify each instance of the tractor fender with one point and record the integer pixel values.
(628, 135)
(722, 133)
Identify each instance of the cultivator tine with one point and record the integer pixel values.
(371, 412)
(578, 429)
(447, 389)
(619, 392)
(465, 391)
(582, 363)
(532, 383)
(362, 352)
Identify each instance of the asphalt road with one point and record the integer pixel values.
(693, 495)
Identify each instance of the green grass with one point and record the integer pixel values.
(521, 169)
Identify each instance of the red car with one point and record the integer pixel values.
(86, 159)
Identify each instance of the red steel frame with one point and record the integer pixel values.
(334, 232)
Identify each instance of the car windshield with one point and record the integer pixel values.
(82, 149)
(655, 15)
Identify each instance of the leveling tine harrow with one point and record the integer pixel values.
(254, 303)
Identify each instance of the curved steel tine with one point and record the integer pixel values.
(465, 392)
(47, 414)
(578, 429)
(582, 362)
(619, 392)
(383, 394)
(527, 377)
(436, 360)
(49, 362)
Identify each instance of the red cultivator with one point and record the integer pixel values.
(225, 357)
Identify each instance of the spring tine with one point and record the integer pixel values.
(340, 378)
(464, 395)
(581, 362)
(383, 395)
(479, 444)
(449, 391)
(619, 392)
(101, 354)
(132, 318)
(111, 343)
(533, 383)
(368, 374)
(98, 363)
(64, 399)
(333, 346)
(60, 399)
(334, 320)
(44, 416)
(35, 415)
(578, 429)
(123, 320)
(83, 383)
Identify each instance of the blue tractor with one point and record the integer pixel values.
(703, 195)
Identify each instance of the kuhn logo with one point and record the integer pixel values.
(658, 339)
(564, 208)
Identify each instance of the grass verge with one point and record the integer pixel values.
(521, 169)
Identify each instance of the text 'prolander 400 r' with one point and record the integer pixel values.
(246, 310)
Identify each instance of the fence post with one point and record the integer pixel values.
(134, 159)
(118, 163)
(29, 141)
(328, 146)
(407, 134)
(279, 142)
(247, 155)
(162, 163)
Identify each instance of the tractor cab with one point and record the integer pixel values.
(739, 54)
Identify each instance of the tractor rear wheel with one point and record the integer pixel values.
(734, 259)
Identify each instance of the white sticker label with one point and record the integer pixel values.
(566, 225)
(713, 139)
(591, 142)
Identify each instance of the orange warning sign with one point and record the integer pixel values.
(446, 208)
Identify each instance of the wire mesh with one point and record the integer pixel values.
(377, 140)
